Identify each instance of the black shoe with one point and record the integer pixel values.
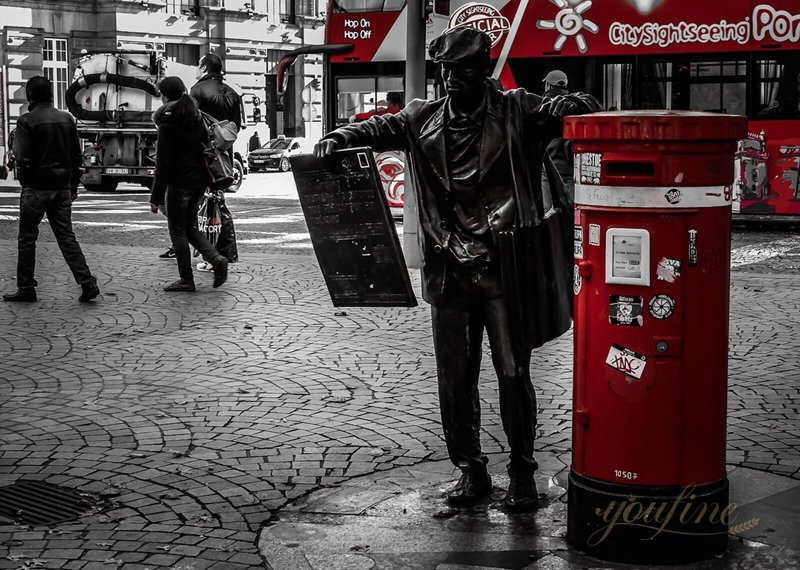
(169, 254)
(220, 265)
(181, 286)
(522, 495)
(89, 293)
(21, 296)
(473, 486)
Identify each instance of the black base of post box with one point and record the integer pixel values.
(647, 525)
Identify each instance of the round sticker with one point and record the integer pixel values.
(576, 280)
(662, 306)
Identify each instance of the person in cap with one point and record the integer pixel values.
(555, 83)
(476, 157)
(558, 150)
(48, 161)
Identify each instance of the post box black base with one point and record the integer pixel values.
(622, 523)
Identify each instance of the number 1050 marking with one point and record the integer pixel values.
(625, 474)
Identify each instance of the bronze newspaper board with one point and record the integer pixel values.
(352, 229)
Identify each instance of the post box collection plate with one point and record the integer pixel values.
(352, 230)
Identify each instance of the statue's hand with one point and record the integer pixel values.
(325, 147)
(560, 105)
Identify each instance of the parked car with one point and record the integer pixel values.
(275, 154)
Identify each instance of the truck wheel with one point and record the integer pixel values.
(285, 165)
(238, 176)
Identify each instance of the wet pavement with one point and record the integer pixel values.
(200, 420)
(397, 520)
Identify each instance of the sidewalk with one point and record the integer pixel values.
(195, 418)
(397, 520)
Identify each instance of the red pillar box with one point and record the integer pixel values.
(652, 272)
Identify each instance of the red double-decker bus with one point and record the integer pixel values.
(738, 57)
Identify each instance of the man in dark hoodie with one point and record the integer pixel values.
(181, 179)
(48, 161)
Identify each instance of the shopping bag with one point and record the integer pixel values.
(226, 245)
(209, 220)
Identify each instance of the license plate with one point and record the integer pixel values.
(117, 171)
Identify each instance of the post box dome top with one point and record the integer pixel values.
(655, 126)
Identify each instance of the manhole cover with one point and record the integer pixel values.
(42, 504)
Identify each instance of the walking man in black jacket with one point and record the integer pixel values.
(48, 160)
(218, 99)
(213, 95)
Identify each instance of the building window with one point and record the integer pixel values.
(274, 58)
(186, 54)
(186, 7)
(288, 11)
(308, 8)
(55, 67)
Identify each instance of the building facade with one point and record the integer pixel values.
(41, 37)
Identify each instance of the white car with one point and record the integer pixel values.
(275, 154)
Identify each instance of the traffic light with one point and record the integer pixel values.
(427, 8)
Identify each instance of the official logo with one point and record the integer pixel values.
(570, 22)
(482, 17)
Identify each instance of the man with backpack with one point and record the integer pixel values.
(218, 99)
(213, 95)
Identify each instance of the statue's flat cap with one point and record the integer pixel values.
(460, 44)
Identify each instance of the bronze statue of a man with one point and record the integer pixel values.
(476, 160)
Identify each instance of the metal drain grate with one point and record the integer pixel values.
(42, 504)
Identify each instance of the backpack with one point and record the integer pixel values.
(221, 134)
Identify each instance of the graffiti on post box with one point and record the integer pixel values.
(668, 270)
(626, 361)
(624, 310)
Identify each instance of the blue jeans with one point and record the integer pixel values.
(34, 203)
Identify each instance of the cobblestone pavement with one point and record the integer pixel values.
(197, 416)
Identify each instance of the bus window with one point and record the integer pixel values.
(357, 6)
(718, 86)
(618, 86)
(777, 87)
(655, 85)
(358, 98)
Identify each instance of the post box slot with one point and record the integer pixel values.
(629, 169)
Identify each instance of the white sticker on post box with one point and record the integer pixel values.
(628, 256)
(626, 361)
